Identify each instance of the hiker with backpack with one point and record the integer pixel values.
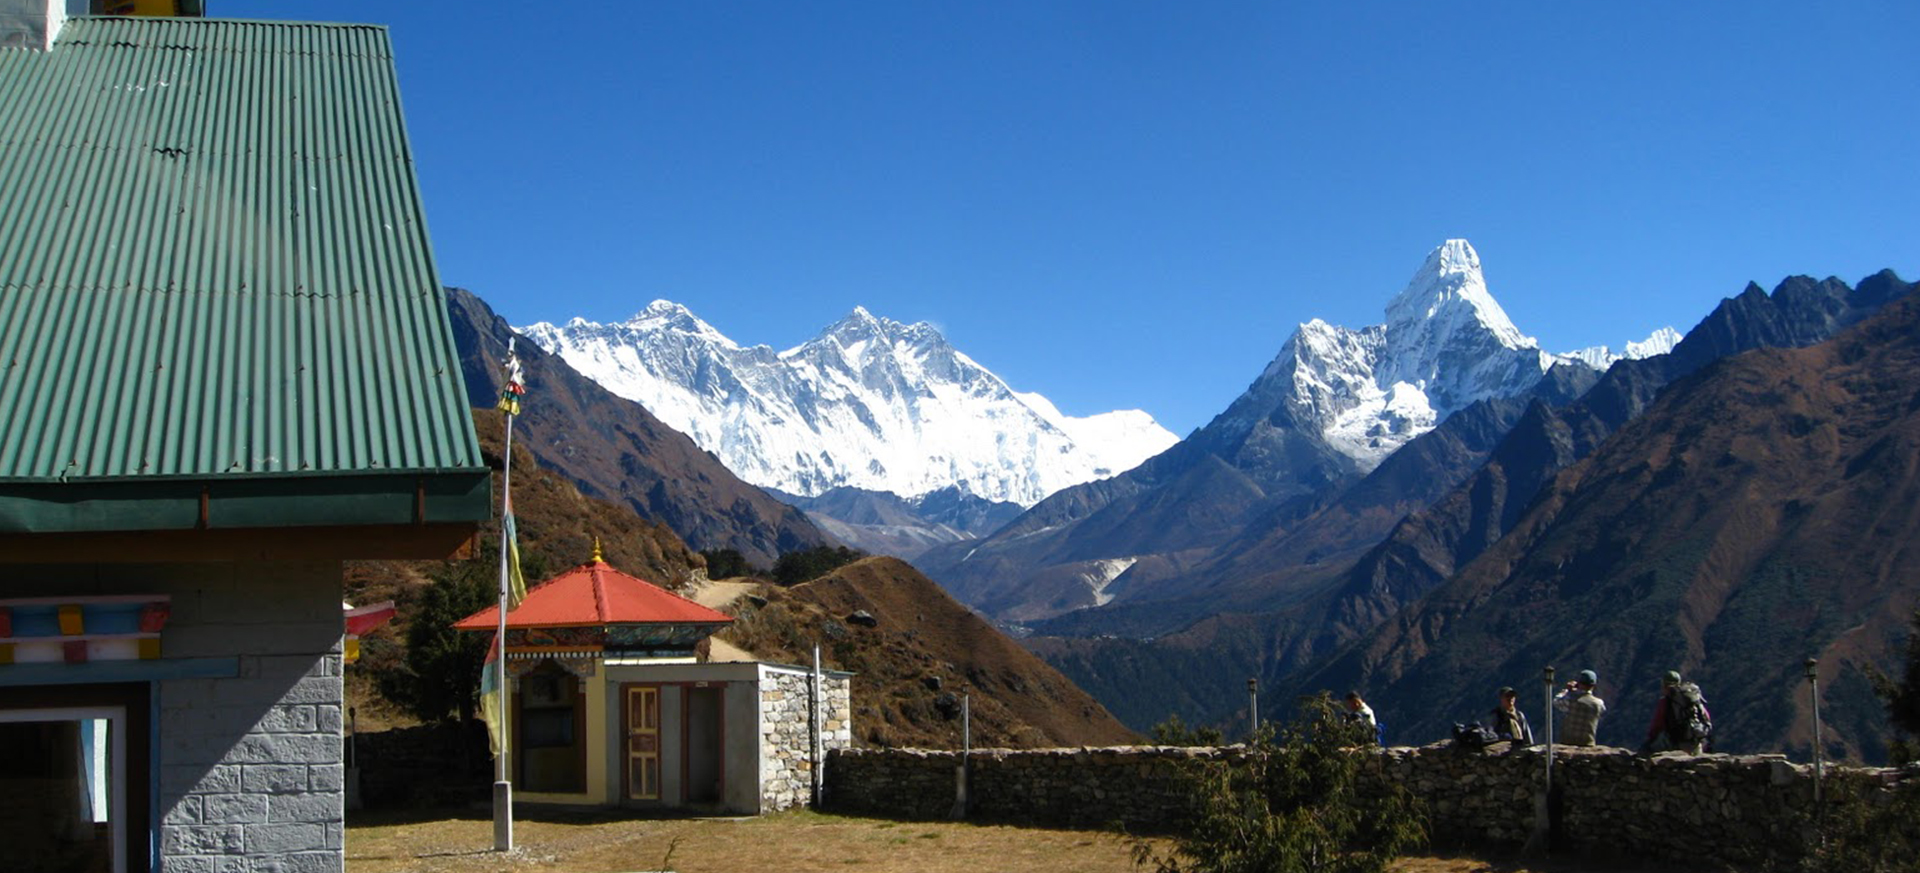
(1681, 721)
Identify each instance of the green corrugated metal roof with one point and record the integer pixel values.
(214, 261)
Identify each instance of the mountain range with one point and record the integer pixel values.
(1335, 599)
(1761, 510)
(1332, 408)
(869, 403)
(615, 450)
(1380, 508)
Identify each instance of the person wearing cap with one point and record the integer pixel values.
(1583, 709)
(1509, 723)
(1674, 727)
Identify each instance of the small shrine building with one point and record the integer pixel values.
(611, 703)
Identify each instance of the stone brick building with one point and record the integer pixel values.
(229, 369)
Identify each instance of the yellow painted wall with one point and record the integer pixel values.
(598, 790)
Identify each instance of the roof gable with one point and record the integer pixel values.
(214, 260)
(218, 302)
(595, 595)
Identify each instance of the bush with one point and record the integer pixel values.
(1867, 834)
(1174, 732)
(1294, 806)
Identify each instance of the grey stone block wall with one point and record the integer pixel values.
(1681, 808)
(786, 766)
(251, 767)
(251, 770)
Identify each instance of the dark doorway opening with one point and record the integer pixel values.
(704, 726)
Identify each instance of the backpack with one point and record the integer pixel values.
(1687, 715)
(1473, 736)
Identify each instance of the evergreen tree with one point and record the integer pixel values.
(441, 675)
(806, 565)
(1903, 698)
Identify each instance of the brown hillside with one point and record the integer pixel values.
(924, 651)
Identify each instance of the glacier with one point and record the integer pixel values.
(868, 403)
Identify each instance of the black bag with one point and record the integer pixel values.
(1473, 736)
(1687, 716)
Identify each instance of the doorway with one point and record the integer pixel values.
(74, 778)
(704, 726)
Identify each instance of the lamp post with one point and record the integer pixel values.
(1813, 687)
(1549, 709)
(1543, 801)
(1253, 706)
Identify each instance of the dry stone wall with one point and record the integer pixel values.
(786, 768)
(1609, 801)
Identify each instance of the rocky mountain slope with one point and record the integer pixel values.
(1761, 511)
(915, 651)
(883, 523)
(1312, 598)
(870, 403)
(1333, 405)
(616, 450)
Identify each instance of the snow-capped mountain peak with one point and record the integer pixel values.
(1448, 294)
(868, 402)
(1445, 344)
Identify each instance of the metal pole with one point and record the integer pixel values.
(813, 720)
(1819, 755)
(1253, 705)
(1543, 802)
(1549, 683)
(966, 726)
(502, 785)
(959, 810)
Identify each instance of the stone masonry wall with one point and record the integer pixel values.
(250, 767)
(786, 768)
(1673, 807)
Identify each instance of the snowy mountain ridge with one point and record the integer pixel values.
(868, 403)
(1446, 343)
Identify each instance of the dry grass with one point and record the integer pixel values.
(791, 842)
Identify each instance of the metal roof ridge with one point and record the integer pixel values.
(269, 22)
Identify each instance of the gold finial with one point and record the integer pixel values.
(596, 551)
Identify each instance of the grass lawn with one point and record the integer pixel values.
(800, 841)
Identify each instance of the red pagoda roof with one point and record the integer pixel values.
(594, 595)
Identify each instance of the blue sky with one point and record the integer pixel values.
(1130, 205)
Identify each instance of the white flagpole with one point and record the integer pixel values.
(502, 784)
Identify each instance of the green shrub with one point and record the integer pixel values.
(1294, 806)
(1174, 732)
